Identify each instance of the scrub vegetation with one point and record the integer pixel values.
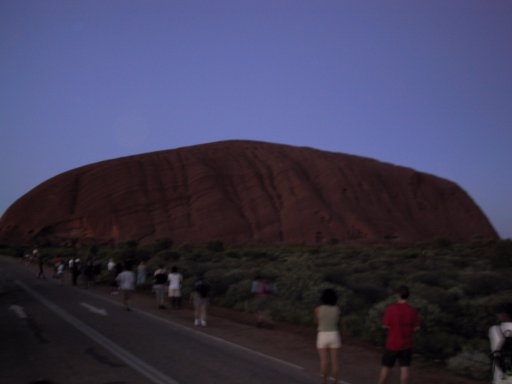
(454, 286)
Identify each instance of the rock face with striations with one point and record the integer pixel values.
(244, 192)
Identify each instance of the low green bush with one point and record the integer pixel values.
(472, 363)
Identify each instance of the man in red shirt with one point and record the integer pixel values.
(401, 320)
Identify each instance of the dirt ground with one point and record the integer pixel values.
(360, 362)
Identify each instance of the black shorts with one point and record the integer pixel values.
(404, 358)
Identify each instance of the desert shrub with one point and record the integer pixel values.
(352, 325)
(356, 304)
(161, 245)
(218, 284)
(221, 279)
(482, 283)
(433, 278)
(455, 293)
(284, 310)
(371, 286)
(297, 278)
(186, 248)
(187, 286)
(336, 275)
(260, 255)
(130, 244)
(167, 256)
(472, 363)
(437, 344)
(502, 255)
(469, 319)
(236, 296)
(232, 254)
(442, 243)
(489, 303)
(435, 295)
(194, 269)
(216, 246)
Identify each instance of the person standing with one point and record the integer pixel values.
(75, 271)
(328, 342)
(126, 282)
(35, 254)
(112, 273)
(401, 320)
(40, 262)
(111, 265)
(261, 291)
(501, 354)
(175, 278)
(159, 286)
(200, 299)
(89, 272)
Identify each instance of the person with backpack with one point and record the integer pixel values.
(261, 292)
(200, 298)
(76, 269)
(500, 337)
(160, 286)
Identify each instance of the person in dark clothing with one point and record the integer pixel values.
(76, 269)
(160, 286)
(200, 299)
(40, 261)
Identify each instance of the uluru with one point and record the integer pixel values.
(244, 192)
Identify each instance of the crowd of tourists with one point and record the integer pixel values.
(401, 320)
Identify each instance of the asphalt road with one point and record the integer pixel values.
(67, 335)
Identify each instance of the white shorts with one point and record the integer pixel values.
(174, 292)
(328, 340)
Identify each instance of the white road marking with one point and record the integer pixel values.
(186, 329)
(18, 310)
(95, 310)
(145, 369)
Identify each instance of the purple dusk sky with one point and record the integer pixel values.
(423, 84)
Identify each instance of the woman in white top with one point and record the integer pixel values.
(175, 278)
(327, 316)
(497, 335)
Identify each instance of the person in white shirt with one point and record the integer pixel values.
(497, 335)
(175, 278)
(126, 282)
(111, 265)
